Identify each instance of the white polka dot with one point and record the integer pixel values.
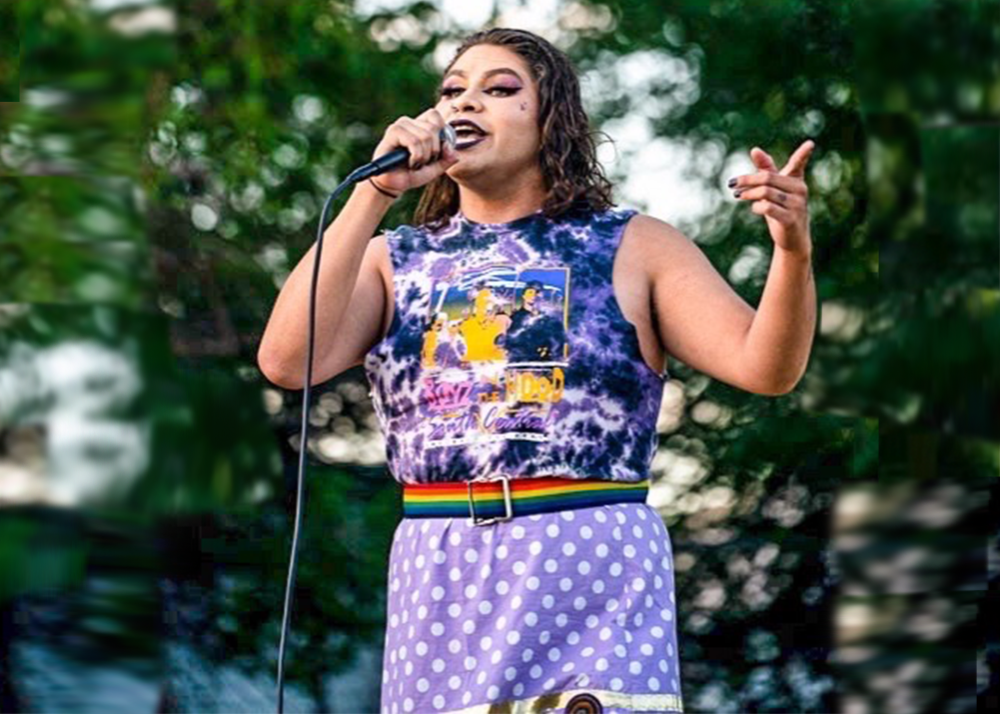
(468, 627)
(666, 614)
(573, 637)
(620, 517)
(439, 701)
(437, 593)
(638, 619)
(597, 586)
(485, 607)
(663, 666)
(583, 567)
(516, 602)
(657, 582)
(600, 516)
(567, 515)
(487, 536)
(549, 683)
(527, 654)
(420, 561)
(637, 531)
(587, 651)
(519, 567)
(454, 681)
(611, 605)
(493, 692)
(501, 622)
(569, 549)
(629, 551)
(501, 552)
(617, 533)
(653, 546)
(470, 662)
(438, 665)
(551, 565)
(568, 667)
(615, 569)
(535, 548)
(653, 684)
(454, 609)
(486, 643)
(513, 637)
(434, 542)
(455, 538)
(602, 550)
(437, 629)
(554, 654)
(657, 631)
(422, 612)
(580, 603)
(592, 621)
(402, 652)
(646, 649)
(455, 574)
(533, 582)
(535, 671)
(517, 532)
(605, 633)
(616, 684)
(408, 705)
(471, 556)
(620, 650)
(471, 590)
(439, 557)
(454, 646)
(552, 530)
(601, 664)
(544, 637)
(586, 532)
(561, 619)
(423, 685)
(635, 667)
(531, 619)
(518, 689)
(639, 584)
(421, 648)
(486, 571)
(510, 673)
(502, 587)
(642, 514)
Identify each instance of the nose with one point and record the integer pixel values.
(465, 102)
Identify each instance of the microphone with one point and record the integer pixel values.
(395, 158)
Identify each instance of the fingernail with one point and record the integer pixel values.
(737, 192)
(732, 182)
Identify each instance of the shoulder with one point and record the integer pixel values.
(655, 243)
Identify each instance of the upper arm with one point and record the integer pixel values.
(700, 319)
(364, 321)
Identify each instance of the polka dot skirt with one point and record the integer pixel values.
(531, 613)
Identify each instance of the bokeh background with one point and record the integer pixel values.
(162, 167)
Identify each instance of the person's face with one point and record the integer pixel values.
(491, 86)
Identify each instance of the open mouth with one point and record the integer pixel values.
(469, 141)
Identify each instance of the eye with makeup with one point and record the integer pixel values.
(449, 92)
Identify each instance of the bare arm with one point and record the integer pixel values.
(706, 324)
(283, 347)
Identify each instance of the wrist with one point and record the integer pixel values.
(388, 194)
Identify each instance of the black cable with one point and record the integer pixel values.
(354, 177)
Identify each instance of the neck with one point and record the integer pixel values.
(502, 201)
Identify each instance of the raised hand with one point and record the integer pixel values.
(429, 156)
(781, 196)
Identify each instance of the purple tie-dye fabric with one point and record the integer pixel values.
(509, 354)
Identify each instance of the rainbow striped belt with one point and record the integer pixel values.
(500, 498)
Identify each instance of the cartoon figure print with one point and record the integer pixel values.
(494, 352)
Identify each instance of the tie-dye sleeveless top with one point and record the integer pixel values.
(509, 354)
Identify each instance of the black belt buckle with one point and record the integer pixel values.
(508, 506)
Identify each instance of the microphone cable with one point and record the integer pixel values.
(384, 163)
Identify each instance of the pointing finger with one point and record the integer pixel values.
(796, 165)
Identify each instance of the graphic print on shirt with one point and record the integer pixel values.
(495, 353)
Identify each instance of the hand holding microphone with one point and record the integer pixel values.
(412, 152)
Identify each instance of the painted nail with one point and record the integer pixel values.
(732, 182)
(737, 192)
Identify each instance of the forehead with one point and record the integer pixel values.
(480, 59)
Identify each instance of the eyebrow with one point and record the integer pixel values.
(486, 75)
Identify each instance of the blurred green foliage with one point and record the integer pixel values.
(164, 169)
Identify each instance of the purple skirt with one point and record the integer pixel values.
(532, 613)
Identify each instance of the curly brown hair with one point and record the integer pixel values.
(568, 155)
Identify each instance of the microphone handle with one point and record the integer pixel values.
(395, 158)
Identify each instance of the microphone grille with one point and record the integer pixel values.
(448, 134)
